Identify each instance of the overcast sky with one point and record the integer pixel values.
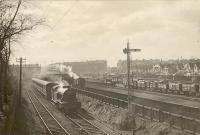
(89, 30)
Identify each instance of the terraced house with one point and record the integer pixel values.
(189, 69)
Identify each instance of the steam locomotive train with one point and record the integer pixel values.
(183, 88)
(63, 95)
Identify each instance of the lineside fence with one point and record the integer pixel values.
(173, 120)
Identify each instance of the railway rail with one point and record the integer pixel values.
(107, 128)
(84, 125)
(52, 126)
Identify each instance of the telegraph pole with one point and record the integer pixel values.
(130, 93)
(21, 60)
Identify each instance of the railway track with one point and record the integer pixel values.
(86, 126)
(107, 128)
(52, 126)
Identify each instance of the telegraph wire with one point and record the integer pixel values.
(87, 9)
(47, 7)
(66, 13)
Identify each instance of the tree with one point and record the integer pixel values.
(13, 24)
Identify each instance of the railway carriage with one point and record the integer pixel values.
(190, 89)
(197, 89)
(187, 89)
(134, 84)
(163, 86)
(158, 85)
(154, 86)
(119, 82)
(175, 87)
(141, 84)
(125, 82)
(115, 80)
(151, 85)
(109, 82)
(44, 87)
(148, 84)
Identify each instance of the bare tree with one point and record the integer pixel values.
(12, 25)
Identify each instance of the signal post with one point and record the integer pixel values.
(131, 110)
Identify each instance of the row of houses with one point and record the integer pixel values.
(158, 67)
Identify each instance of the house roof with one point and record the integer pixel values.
(192, 64)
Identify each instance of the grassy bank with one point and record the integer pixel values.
(20, 120)
(27, 121)
(120, 120)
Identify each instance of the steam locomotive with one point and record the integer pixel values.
(62, 95)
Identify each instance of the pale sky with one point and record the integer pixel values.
(88, 30)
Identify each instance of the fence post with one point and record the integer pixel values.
(163, 116)
(136, 108)
(118, 103)
(143, 111)
(101, 98)
(151, 114)
(159, 115)
(171, 122)
(133, 108)
(194, 126)
(107, 100)
(181, 122)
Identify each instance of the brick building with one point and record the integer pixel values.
(88, 67)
